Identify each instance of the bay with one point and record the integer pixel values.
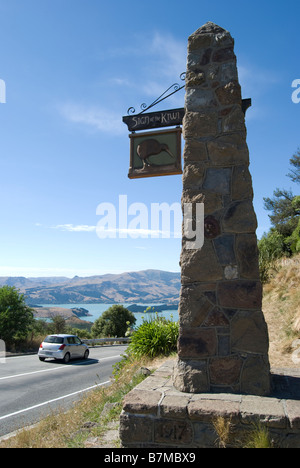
(96, 310)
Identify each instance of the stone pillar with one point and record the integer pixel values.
(223, 340)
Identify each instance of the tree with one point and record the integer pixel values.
(113, 322)
(58, 325)
(284, 206)
(271, 247)
(294, 240)
(294, 173)
(16, 318)
(284, 213)
(283, 239)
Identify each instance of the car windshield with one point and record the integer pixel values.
(54, 339)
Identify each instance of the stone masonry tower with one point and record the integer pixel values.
(223, 340)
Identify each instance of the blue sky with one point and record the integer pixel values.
(72, 68)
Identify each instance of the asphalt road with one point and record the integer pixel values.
(30, 389)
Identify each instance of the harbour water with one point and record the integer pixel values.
(96, 310)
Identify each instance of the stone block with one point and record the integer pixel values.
(212, 75)
(173, 432)
(174, 406)
(193, 175)
(241, 184)
(229, 94)
(224, 246)
(216, 318)
(192, 196)
(234, 121)
(199, 43)
(191, 376)
(249, 332)
(198, 98)
(197, 124)
(228, 73)
(200, 265)
(218, 180)
(225, 54)
(240, 294)
(207, 410)
(210, 34)
(228, 150)
(135, 429)
(291, 441)
(197, 342)
(225, 371)
(194, 151)
(240, 218)
(142, 401)
(204, 435)
(212, 201)
(231, 272)
(268, 411)
(155, 381)
(293, 412)
(247, 255)
(224, 347)
(255, 379)
(194, 306)
(195, 77)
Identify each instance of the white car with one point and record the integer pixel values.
(63, 347)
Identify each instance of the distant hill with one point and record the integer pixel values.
(22, 283)
(149, 286)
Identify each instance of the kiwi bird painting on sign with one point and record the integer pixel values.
(155, 154)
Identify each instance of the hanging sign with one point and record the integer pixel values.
(155, 153)
(150, 120)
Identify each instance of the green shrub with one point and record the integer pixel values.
(271, 247)
(113, 322)
(155, 336)
(16, 318)
(294, 239)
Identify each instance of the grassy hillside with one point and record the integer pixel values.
(281, 306)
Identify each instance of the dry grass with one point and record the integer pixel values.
(281, 306)
(256, 436)
(222, 427)
(85, 420)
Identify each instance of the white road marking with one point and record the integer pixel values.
(31, 373)
(52, 401)
(52, 369)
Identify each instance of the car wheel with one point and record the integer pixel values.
(86, 354)
(66, 358)
(42, 359)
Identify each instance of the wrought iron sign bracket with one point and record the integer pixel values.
(174, 88)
